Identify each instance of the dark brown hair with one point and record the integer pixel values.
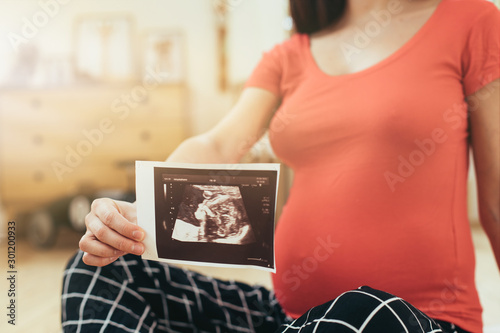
(310, 16)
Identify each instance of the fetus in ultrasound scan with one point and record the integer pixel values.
(213, 213)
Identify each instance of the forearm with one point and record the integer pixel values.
(234, 135)
(488, 178)
(199, 149)
(491, 224)
(485, 139)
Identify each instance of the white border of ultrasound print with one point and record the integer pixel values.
(144, 173)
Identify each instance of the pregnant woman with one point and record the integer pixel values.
(374, 105)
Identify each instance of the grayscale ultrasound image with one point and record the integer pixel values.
(213, 214)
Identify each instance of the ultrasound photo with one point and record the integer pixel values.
(210, 213)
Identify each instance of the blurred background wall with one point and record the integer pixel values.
(252, 26)
(87, 87)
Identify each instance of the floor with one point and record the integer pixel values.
(39, 283)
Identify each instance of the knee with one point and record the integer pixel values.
(372, 309)
(79, 275)
(81, 281)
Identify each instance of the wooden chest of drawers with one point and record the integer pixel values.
(57, 142)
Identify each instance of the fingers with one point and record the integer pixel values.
(97, 253)
(90, 244)
(110, 233)
(112, 215)
(92, 260)
(109, 237)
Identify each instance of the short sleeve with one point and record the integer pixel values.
(481, 58)
(268, 73)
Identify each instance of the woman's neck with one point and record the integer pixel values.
(357, 9)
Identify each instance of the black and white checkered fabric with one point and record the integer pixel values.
(135, 295)
(364, 310)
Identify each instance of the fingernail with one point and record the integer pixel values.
(139, 235)
(137, 249)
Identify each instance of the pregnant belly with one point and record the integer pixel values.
(328, 244)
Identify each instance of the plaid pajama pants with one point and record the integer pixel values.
(135, 295)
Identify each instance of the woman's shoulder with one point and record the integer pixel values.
(292, 51)
(469, 8)
(459, 18)
(294, 44)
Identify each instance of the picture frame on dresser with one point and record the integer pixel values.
(163, 55)
(103, 48)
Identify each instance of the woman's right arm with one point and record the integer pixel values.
(112, 229)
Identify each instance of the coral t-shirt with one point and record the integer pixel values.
(380, 160)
